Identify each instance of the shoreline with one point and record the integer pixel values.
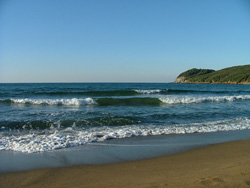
(217, 165)
(116, 150)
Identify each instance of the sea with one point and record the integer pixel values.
(41, 117)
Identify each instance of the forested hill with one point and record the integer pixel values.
(231, 75)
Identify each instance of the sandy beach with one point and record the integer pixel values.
(219, 165)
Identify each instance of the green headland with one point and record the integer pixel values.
(231, 75)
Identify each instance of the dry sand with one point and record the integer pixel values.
(220, 165)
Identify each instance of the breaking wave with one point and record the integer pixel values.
(51, 139)
(192, 99)
(149, 101)
(66, 102)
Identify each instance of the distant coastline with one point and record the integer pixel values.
(231, 75)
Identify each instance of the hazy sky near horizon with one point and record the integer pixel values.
(120, 40)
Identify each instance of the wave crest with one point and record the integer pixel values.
(66, 102)
(131, 101)
(192, 99)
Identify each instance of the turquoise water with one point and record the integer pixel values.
(46, 117)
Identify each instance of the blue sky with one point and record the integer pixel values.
(120, 41)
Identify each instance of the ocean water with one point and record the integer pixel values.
(53, 116)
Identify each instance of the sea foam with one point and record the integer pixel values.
(66, 102)
(153, 91)
(52, 139)
(199, 99)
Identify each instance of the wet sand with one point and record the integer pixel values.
(219, 165)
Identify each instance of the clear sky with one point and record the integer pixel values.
(120, 40)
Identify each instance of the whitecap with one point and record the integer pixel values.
(66, 102)
(197, 99)
(154, 91)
